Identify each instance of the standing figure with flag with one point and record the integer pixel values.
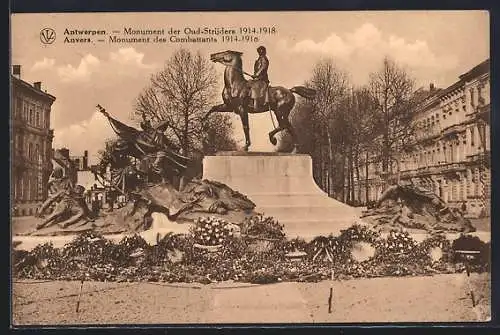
(150, 142)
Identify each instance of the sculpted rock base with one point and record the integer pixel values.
(161, 207)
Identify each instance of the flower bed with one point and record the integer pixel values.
(356, 252)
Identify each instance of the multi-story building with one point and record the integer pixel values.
(451, 150)
(31, 144)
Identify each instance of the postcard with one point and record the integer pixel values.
(250, 167)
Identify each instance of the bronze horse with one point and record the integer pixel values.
(237, 97)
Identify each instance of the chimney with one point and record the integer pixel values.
(85, 160)
(16, 71)
(37, 85)
(432, 87)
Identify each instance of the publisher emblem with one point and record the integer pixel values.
(47, 35)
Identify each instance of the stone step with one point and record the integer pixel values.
(296, 199)
(286, 212)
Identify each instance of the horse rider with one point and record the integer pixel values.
(261, 79)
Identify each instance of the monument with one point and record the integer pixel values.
(234, 185)
(282, 186)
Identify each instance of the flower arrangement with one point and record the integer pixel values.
(399, 243)
(296, 244)
(92, 257)
(262, 227)
(433, 250)
(91, 248)
(359, 233)
(328, 248)
(211, 231)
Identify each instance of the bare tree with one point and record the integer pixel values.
(180, 94)
(331, 85)
(393, 91)
(361, 125)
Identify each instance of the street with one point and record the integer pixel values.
(440, 298)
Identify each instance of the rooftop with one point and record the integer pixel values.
(32, 88)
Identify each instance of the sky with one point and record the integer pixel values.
(433, 46)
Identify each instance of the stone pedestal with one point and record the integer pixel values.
(282, 186)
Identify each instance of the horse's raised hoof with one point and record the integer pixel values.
(273, 140)
(295, 149)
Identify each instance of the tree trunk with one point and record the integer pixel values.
(398, 169)
(343, 195)
(330, 163)
(351, 168)
(349, 185)
(367, 193)
(385, 161)
(356, 166)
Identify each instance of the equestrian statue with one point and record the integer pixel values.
(242, 96)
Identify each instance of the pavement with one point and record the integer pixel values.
(439, 298)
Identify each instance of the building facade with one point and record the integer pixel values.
(31, 145)
(451, 150)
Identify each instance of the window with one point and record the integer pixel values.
(21, 188)
(19, 107)
(37, 152)
(37, 121)
(472, 97)
(30, 151)
(28, 189)
(472, 136)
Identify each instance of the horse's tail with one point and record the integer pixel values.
(304, 92)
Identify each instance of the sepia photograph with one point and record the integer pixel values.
(322, 167)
